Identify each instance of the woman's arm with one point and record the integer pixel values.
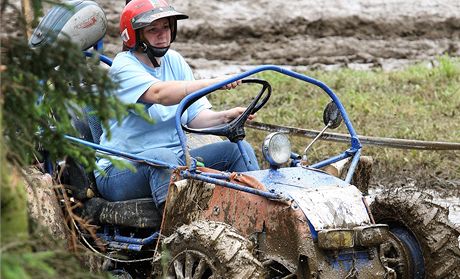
(172, 92)
(209, 118)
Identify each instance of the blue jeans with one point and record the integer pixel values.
(148, 181)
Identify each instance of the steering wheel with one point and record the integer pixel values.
(234, 130)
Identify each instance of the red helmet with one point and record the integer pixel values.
(140, 13)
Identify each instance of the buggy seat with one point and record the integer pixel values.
(137, 213)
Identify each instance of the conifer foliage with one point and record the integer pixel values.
(41, 90)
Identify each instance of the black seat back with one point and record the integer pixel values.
(80, 182)
(94, 124)
(138, 213)
(88, 125)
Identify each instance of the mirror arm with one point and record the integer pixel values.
(316, 138)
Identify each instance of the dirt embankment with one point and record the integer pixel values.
(227, 35)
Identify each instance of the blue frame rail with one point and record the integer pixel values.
(355, 145)
(129, 156)
(218, 181)
(102, 57)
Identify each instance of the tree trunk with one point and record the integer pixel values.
(43, 205)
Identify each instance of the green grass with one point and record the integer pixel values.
(419, 102)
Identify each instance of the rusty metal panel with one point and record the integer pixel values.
(279, 231)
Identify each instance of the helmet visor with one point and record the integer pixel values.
(148, 17)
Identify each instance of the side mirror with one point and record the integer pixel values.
(331, 116)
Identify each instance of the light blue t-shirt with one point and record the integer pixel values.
(134, 134)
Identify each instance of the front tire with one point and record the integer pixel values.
(206, 249)
(423, 243)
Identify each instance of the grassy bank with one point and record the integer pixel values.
(419, 102)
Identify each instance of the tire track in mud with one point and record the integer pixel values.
(331, 41)
(226, 36)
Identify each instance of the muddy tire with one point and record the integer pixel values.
(206, 249)
(423, 243)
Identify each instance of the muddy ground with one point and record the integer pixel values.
(227, 36)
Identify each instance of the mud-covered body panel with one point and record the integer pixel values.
(281, 232)
(327, 201)
(268, 223)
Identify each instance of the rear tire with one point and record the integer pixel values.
(423, 242)
(208, 249)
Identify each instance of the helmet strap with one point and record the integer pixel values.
(154, 52)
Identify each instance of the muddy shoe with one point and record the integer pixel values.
(93, 208)
(76, 180)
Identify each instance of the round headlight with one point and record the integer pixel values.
(276, 149)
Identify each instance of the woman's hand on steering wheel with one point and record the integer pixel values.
(231, 85)
(234, 129)
(236, 112)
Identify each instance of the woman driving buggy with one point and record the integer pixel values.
(152, 74)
